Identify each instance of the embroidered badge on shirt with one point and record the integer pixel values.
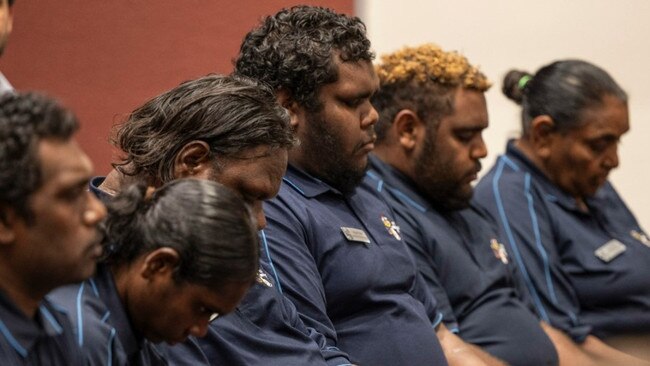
(610, 250)
(499, 251)
(263, 279)
(356, 235)
(640, 236)
(392, 227)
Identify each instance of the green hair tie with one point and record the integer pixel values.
(523, 81)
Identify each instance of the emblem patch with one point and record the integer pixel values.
(263, 279)
(640, 236)
(392, 227)
(499, 251)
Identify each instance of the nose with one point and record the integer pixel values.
(95, 210)
(370, 118)
(610, 160)
(258, 211)
(479, 150)
(199, 330)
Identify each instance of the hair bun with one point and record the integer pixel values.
(515, 83)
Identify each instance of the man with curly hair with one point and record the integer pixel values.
(429, 146)
(48, 228)
(335, 248)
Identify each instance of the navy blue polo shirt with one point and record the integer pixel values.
(587, 271)
(103, 328)
(264, 330)
(342, 262)
(460, 251)
(47, 339)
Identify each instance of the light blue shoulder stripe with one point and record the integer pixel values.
(293, 185)
(538, 239)
(12, 341)
(506, 226)
(397, 192)
(50, 318)
(80, 319)
(268, 256)
(540, 247)
(111, 340)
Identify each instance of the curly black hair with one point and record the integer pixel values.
(294, 50)
(25, 120)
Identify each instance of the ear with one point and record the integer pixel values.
(542, 135)
(193, 160)
(160, 262)
(8, 220)
(409, 129)
(287, 102)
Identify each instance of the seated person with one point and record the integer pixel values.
(49, 233)
(173, 262)
(578, 247)
(432, 113)
(337, 251)
(229, 130)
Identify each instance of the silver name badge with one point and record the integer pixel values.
(356, 235)
(610, 250)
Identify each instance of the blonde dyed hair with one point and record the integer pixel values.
(429, 62)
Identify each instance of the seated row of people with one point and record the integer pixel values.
(374, 251)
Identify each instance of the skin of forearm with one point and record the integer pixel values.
(592, 352)
(457, 351)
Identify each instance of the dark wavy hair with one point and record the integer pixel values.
(230, 113)
(295, 50)
(562, 90)
(208, 224)
(25, 120)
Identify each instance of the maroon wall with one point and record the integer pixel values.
(104, 58)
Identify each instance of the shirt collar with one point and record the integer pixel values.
(398, 184)
(130, 340)
(20, 331)
(93, 186)
(518, 160)
(306, 184)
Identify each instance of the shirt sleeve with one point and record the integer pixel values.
(287, 256)
(96, 338)
(427, 287)
(526, 225)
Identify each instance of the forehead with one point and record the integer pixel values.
(355, 79)
(62, 162)
(469, 112)
(609, 118)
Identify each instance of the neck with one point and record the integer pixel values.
(26, 298)
(525, 147)
(395, 158)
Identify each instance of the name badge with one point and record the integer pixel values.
(356, 235)
(610, 250)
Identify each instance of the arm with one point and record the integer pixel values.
(527, 226)
(460, 353)
(297, 276)
(591, 352)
